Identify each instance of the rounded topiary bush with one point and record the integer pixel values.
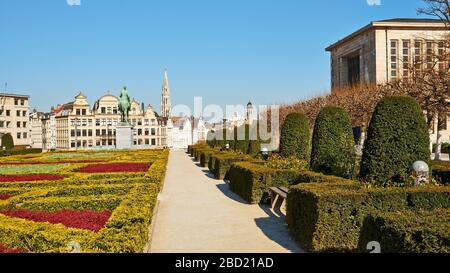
(211, 139)
(333, 144)
(7, 141)
(295, 139)
(397, 137)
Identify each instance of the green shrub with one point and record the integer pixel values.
(327, 217)
(241, 139)
(441, 172)
(397, 137)
(295, 138)
(252, 180)
(223, 162)
(211, 139)
(7, 141)
(205, 156)
(407, 231)
(333, 148)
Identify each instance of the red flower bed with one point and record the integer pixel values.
(31, 177)
(6, 250)
(5, 196)
(90, 220)
(116, 168)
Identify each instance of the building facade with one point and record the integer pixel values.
(184, 133)
(391, 50)
(384, 51)
(36, 129)
(14, 118)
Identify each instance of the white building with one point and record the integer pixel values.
(36, 129)
(184, 134)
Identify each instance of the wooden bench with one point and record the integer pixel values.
(278, 194)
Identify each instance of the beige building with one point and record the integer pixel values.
(78, 126)
(385, 51)
(14, 118)
(389, 50)
(36, 129)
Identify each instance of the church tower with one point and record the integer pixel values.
(165, 101)
(249, 113)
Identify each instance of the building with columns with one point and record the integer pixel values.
(384, 51)
(387, 51)
(78, 125)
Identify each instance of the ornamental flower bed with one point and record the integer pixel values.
(31, 177)
(31, 169)
(115, 168)
(6, 250)
(53, 163)
(5, 196)
(89, 220)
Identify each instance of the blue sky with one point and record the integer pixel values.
(227, 51)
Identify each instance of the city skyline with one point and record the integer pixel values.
(53, 50)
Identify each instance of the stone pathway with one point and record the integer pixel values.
(197, 213)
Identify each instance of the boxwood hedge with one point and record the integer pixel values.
(295, 140)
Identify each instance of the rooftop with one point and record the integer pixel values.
(10, 95)
(393, 23)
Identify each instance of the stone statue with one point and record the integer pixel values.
(124, 105)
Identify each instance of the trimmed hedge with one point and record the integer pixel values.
(327, 217)
(20, 152)
(407, 231)
(333, 146)
(205, 156)
(7, 142)
(252, 180)
(221, 163)
(441, 172)
(295, 138)
(397, 137)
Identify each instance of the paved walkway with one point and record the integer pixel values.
(200, 214)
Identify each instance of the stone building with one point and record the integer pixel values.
(184, 133)
(49, 131)
(389, 50)
(14, 118)
(36, 129)
(385, 50)
(78, 126)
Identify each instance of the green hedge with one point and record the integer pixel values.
(252, 180)
(295, 140)
(326, 217)
(20, 152)
(333, 145)
(205, 156)
(397, 137)
(441, 172)
(221, 163)
(408, 231)
(7, 142)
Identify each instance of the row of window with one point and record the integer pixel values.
(19, 102)
(418, 55)
(98, 132)
(19, 113)
(110, 142)
(111, 122)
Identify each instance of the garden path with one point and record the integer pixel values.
(199, 214)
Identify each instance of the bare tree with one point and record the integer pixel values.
(437, 8)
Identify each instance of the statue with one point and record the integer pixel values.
(124, 105)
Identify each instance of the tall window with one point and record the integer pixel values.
(353, 65)
(417, 57)
(441, 55)
(394, 60)
(406, 55)
(429, 55)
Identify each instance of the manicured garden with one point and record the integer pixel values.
(338, 201)
(102, 201)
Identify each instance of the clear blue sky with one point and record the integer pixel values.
(228, 51)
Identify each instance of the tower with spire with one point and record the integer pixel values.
(165, 101)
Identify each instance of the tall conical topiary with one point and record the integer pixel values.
(7, 141)
(333, 148)
(241, 135)
(295, 139)
(397, 137)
